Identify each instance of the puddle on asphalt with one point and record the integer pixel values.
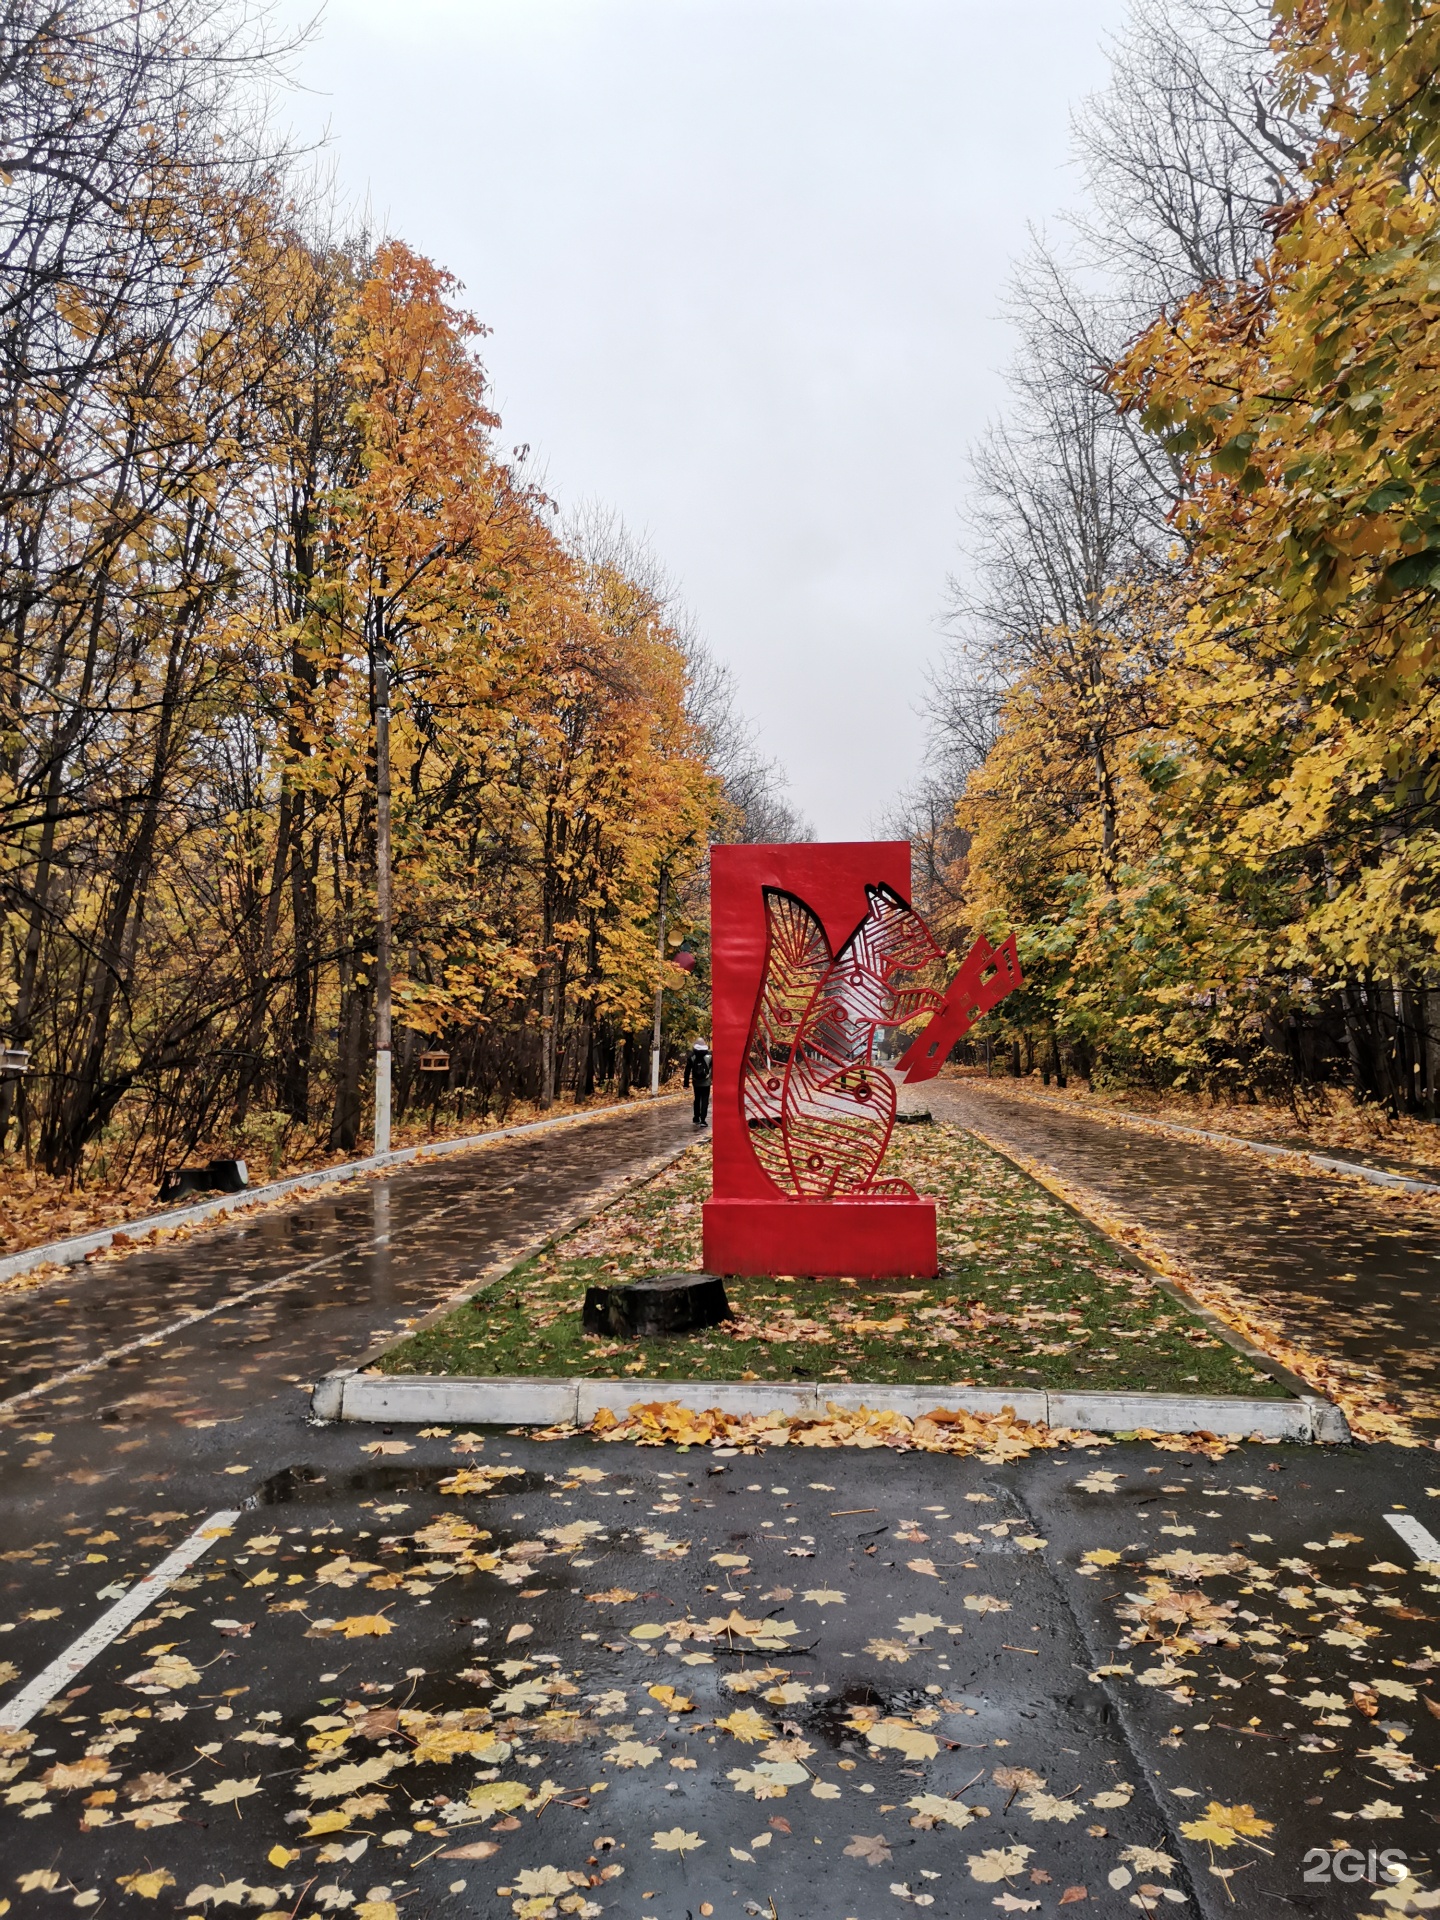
(829, 1720)
(307, 1486)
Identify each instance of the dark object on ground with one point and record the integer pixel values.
(925, 1119)
(221, 1176)
(670, 1303)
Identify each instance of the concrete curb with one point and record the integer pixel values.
(69, 1253)
(404, 1400)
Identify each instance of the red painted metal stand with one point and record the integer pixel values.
(810, 949)
(752, 1226)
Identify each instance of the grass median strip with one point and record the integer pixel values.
(1027, 1296)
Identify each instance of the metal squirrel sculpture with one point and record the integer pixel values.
(818, 1110)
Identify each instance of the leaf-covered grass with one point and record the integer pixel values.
(1027, 1296)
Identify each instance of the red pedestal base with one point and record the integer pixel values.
(869, 1239)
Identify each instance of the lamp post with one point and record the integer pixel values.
(673, 854)
(382, 900)
(659, 990)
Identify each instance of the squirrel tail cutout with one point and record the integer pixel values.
(819, 1113)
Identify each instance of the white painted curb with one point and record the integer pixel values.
(69, 1253)
(417, 1399)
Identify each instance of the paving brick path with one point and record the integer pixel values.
(1353, 1267)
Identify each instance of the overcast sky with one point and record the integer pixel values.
(744, 263)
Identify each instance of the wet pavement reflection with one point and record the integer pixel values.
(494, 1664)
(356, 1258)
(271, 1306)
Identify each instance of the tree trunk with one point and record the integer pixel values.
(1429, 1002)
(92, 1095)
(295, 1077)
(382, 899)
(260, 995)
(350, 1036)
(547, 1035)
(345, 1125)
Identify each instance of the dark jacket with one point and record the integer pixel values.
(699, 1067)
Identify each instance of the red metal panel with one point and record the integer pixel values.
(868, 1239)
(831, 880)
(750, 1227)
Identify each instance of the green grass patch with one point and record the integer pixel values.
(1027, 1296)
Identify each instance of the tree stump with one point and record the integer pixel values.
(221, 1176)
(669, 1303)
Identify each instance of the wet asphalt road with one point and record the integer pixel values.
(1310, 1689)
(1355, 1268)
(167, 1424)
(968, 1657)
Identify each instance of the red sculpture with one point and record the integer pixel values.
(808, 944)
(819, 1114)
(986, 975)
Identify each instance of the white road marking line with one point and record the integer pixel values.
(1421, 1542)
(21, 1710)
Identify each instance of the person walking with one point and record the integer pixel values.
(699, 1071)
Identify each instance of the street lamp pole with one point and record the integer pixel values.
(382, 901)
(659, 991)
